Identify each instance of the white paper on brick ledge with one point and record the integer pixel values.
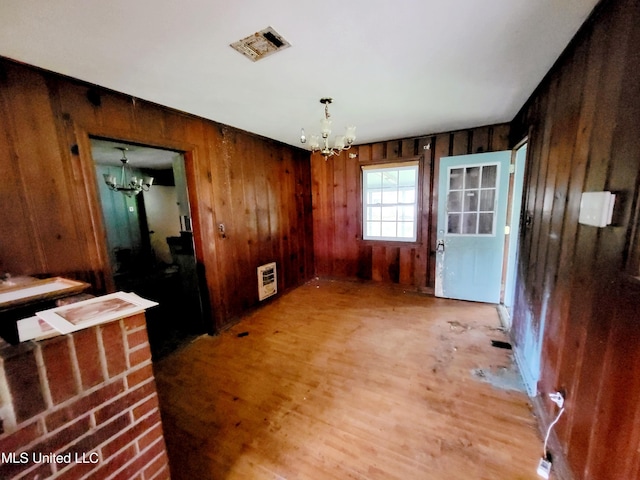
(80, 315)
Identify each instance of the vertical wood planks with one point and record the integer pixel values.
(584, 121)
(248, 183)
(339, 248)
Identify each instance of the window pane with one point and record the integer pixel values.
(373, 229)
(407, 195)
(471, 201)
(453, 223)
(455, 179)
(373, 179)
(389, 196)
(405, 229)
(390, 179)
(389, 214)
(487, 200)
(407, 178)
(489, 176)
(374, 197)
(406, 214)
(485, 224)
(454, 202)
(389, 229)
(472, 177)
(469, 223)
(374, 213)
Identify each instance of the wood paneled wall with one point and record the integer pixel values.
(340, 250)
(574, 280)
(259, 189)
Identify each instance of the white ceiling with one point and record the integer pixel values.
(395, 69)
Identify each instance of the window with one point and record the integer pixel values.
(471, 200)
(390, 202)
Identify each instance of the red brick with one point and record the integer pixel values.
(88, 354)
(109, 466)
(21, 371)
(163, 474)
(138, 337)
(57, 361)
(100, 435)
(135, 321)
(156, 466)
(143, 459)
(123, 403)
(117, 443)
(24, 436)
(51, 443)
(113, 343)
(135, 432)
(146, 407)
(83, 405)
(42, 471)
(139, 355)
(150, 437)
(75, 471)
(139, 376)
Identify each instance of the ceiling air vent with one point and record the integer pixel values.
(261, 44)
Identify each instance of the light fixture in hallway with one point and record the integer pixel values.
(130, 184)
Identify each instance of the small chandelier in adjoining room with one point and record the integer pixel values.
(130, 185)
(342, 142)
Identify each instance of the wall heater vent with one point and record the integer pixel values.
(267, 280)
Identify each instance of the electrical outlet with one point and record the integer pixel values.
(557, 398)
(544, 468)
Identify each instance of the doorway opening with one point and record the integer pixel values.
(150, 240)
(514, 223)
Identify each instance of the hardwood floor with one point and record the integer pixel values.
(341, 380)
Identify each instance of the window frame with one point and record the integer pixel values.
(417, 163)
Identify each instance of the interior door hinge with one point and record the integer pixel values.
(507, 230)
(512, 168)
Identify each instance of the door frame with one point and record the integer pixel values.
(502, 158)
(100, 261)
(512, 239)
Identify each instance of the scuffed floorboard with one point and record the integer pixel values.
(340, 380)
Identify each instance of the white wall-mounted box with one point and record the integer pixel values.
(596, 208)
(267, 281)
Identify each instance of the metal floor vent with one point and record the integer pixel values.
(261, 44)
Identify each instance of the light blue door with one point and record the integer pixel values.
(472, 209)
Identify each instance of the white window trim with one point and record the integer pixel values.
(390, 166)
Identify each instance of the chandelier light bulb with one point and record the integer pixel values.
(342, 142)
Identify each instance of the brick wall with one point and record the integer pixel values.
(89, 396)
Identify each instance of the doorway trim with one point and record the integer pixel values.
(512, 240)
(100, 260)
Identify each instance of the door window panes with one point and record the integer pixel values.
(471, 200)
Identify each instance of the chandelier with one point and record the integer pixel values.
(342, 142)
(130, 185)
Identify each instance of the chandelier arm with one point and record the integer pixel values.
(342, 143)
